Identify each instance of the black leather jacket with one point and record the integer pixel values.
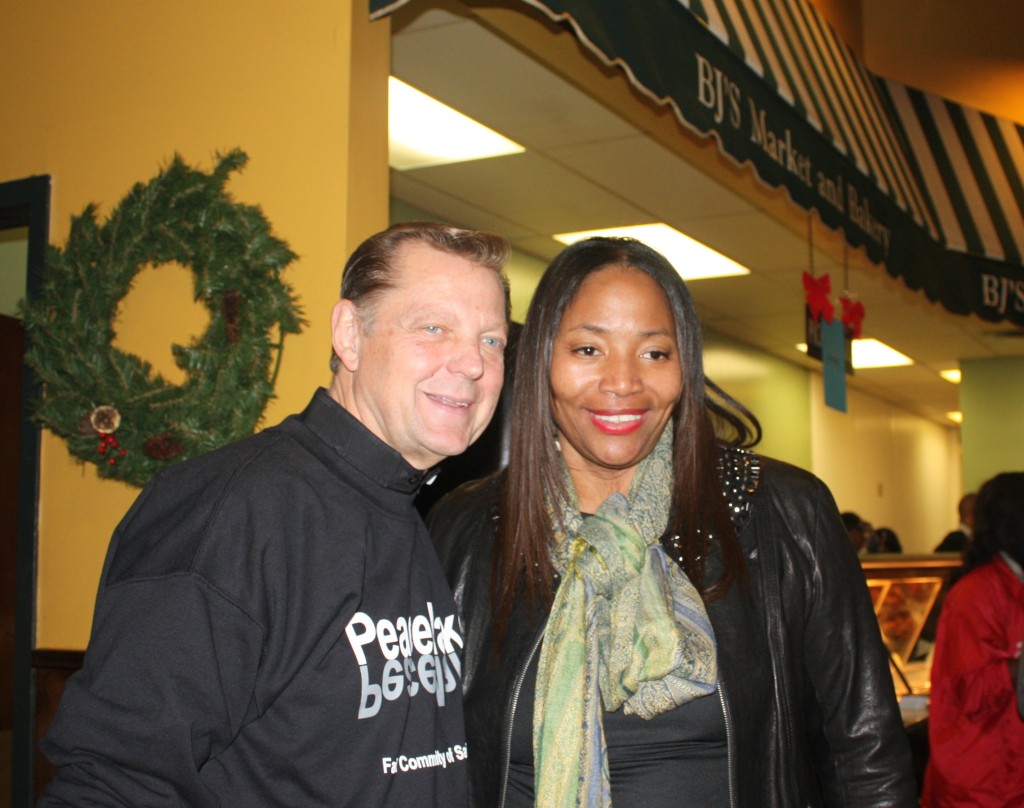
(809, 703)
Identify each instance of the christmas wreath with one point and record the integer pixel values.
(111, 408)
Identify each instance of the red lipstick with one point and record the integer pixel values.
(617, 422)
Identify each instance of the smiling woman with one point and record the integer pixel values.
(635, 586)
(615, 380)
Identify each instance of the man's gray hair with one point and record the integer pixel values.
(370, 270)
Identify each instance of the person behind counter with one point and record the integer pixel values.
(859, 531)
(653, 615)
(885, 540)
(956, 541)
(975, 733)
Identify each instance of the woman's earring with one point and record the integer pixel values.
(558, 445)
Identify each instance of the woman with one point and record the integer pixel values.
(975, 734)
(653, 616)
(885, 540)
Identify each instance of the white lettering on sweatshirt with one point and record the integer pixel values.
(420, 652)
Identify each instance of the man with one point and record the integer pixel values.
(957, 540)
(272, 626)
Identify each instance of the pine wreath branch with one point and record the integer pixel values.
(186, 216)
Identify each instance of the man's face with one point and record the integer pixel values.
(428, 362)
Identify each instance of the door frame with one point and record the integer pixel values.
(26, 203)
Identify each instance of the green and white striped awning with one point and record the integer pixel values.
(954, 171)
(971, 165)
(791, 48)
(929, 188)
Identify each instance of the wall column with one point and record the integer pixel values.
(992, 401)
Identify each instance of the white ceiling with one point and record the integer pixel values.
(586, 166)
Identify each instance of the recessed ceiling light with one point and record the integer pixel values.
(952, 375)
(424, 132)
(955, 416)
(870, 353)
(691, 259)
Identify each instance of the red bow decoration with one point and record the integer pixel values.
(817, 290)
(853, 314)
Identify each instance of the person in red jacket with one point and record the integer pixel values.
(976, 734)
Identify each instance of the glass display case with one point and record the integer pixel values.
(907, 592)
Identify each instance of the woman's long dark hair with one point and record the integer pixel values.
(998, 521)
(522, 567)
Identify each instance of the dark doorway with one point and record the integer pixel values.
(24, 206)
(11, 350)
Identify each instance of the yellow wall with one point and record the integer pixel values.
(894, 468)
(100, 96)
(992, 401)
(775, 391)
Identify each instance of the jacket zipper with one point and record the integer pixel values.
(512, 714)
(729, 758)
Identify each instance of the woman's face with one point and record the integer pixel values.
(615, 372)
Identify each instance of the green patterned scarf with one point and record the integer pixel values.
(627, 629)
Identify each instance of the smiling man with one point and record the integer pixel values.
(272, 625)
(421, 352)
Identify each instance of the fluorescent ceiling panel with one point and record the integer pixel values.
(691, 259)
(424, 132)
(870, 353)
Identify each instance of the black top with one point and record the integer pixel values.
(677, 759)
(272, 629)
(954, 542)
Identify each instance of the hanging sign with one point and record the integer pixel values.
(820, 312)
(835, 349)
